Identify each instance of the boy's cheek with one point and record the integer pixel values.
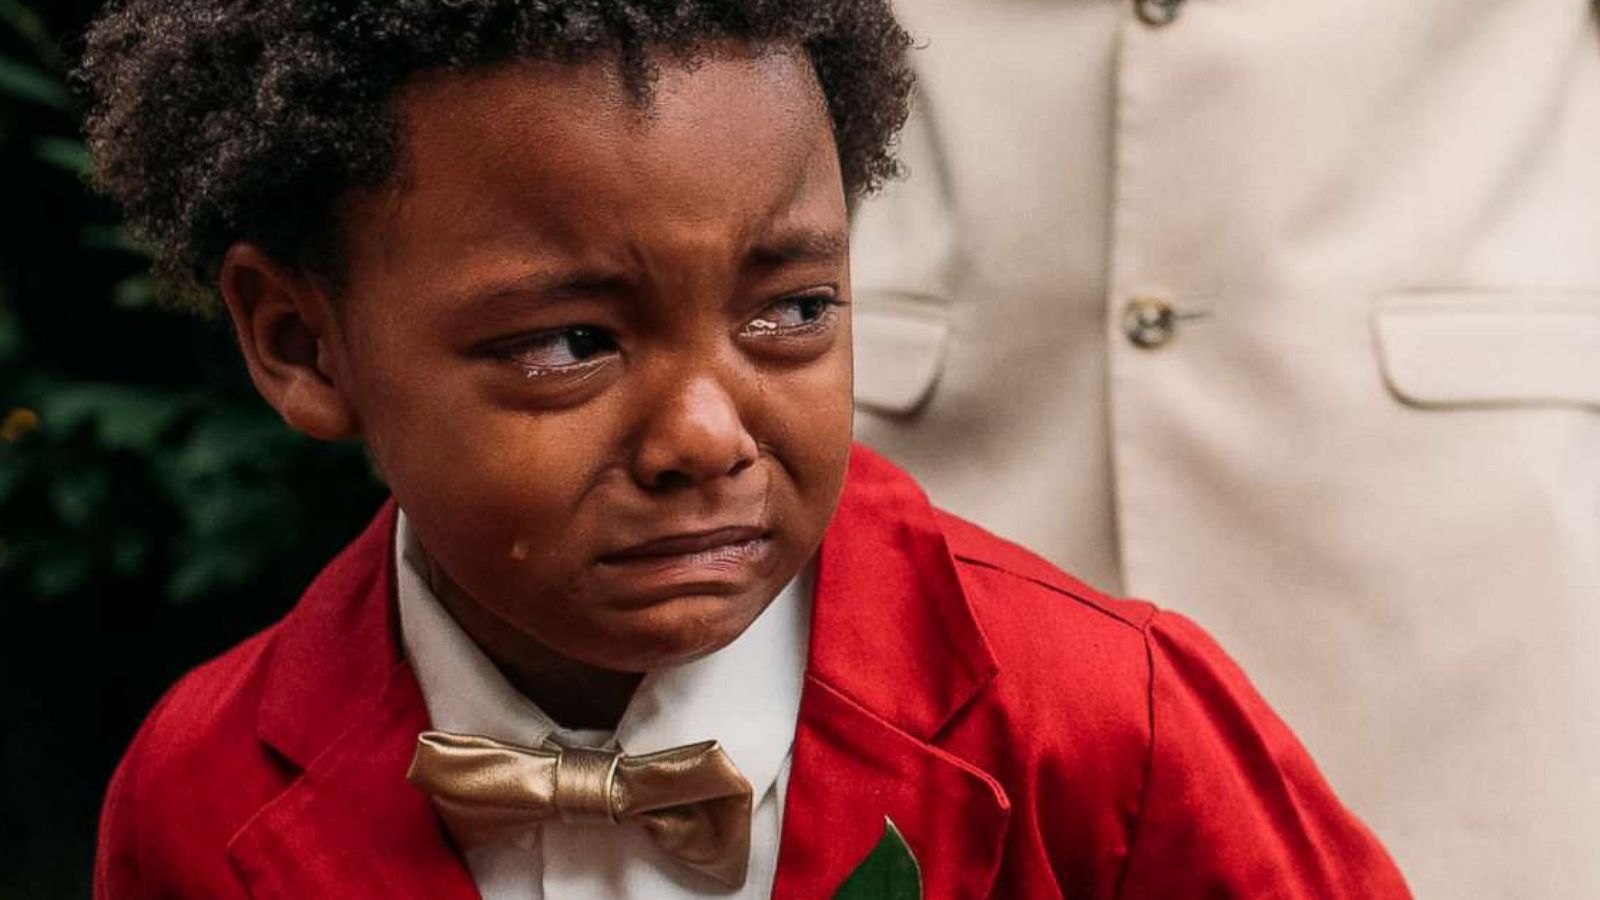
(812, 409)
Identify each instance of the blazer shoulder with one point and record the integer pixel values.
(1033, 579)
(1063, 649)
(212, 703)
(1065, 724)
(193, 775)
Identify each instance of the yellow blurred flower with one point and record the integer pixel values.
(17, 423)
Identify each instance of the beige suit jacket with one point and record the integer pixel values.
(1356, 431)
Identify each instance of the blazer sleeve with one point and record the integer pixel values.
(118, 864)
(1232, 805)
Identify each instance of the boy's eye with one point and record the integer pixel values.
(561, 349)
(793, 313)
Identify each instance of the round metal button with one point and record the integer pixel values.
(1148, 322)
(1158, 12)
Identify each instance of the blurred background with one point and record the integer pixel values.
(152, 510)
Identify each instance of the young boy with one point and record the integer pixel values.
(640, 621)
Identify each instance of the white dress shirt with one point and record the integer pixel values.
(747, 696)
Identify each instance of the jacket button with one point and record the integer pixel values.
(1158, 12)
(1148, 322)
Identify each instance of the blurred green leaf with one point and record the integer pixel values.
(129, 551)
(139, 423)
(890, 871)
(10, 336)
(123, 418)
(64, 410)
(134, 292)
(112, 237)
(64, 153)
(24, 82)
(230, 508)
(58, 570)
(12, 469)
(217, 568)
(27, 24)
(232, 439)
(77, 500)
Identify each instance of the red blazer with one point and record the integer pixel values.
(1030, 737)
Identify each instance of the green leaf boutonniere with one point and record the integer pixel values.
(890, 871)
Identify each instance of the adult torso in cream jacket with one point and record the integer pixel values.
(1286, 314)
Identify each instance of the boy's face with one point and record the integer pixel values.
(599, 350)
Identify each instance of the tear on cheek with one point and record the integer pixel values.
(520, 549)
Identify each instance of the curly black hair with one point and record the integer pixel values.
(216, 121)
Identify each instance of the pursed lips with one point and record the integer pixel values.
(687, 544)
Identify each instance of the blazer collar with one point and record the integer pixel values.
(896, 654)
(336, 652)
(892, 630)
(341, 705)
(349, 825)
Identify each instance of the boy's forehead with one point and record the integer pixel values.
(739, 138)
(736, 111)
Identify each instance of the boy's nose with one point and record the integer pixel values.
(695, 435)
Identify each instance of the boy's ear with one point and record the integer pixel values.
(287, 329)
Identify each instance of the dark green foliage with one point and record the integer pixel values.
(132, 450)
(152, 510)
(195, 493)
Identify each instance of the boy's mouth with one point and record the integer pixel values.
(719, 561)
(688, 544)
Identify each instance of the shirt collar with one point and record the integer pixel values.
(746, 695)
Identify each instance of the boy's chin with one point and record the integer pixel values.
(676, 632)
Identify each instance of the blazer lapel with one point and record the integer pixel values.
(851, 771)
(342, 707)
(896, 653)
(351, 826)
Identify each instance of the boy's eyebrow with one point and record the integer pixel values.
(554, 284)
(800, 245)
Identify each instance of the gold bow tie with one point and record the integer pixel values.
(691, 800)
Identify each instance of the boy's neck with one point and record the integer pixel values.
(573, 694)
(579, 697)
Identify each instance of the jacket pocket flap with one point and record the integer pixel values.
(1463, 348)
(900, 345)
